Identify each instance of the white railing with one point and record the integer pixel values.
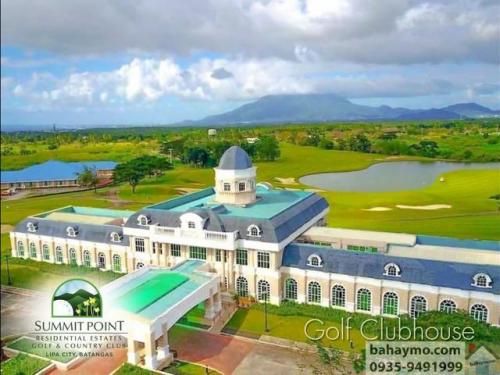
(198, 234)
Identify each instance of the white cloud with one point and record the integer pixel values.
(143, 81)
(357, 31)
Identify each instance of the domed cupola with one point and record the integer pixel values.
(235, 178)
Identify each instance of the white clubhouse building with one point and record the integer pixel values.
(273, 243)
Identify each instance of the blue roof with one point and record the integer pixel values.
(235, 158)
(371, 265)
(455, 242)
(52, 170)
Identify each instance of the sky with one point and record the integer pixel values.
(120, 62)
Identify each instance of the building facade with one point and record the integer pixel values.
(273, 244)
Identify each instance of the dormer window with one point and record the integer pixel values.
(315, 260)
(392, 269)
(71, 231)
(191, 225)
(482, 280)
(31, 227)
(142, 220)
(254, 231)
(115, 237)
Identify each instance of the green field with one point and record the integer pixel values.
(250, 322)
(31, 346)
(23, 364)
(473, 214)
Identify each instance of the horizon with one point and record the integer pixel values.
(164, 68)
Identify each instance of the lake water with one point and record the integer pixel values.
(389, 176)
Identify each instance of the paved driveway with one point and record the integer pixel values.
(237, 356)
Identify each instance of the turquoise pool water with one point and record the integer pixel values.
(170, 298)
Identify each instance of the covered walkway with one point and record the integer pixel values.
(153, 299)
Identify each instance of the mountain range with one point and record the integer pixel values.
(296, 108)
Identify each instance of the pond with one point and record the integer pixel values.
(390, 176)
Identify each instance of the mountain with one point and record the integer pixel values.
(330, 107)
(472, 110)
(431, 114)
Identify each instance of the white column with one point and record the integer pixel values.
(209, 308)
(132, 354)
(150, 359)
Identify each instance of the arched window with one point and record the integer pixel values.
(418, 305)
(242, 286)
(101, 260)
(20, 248)
(291, 289)
(139, 265)
(142, 220)
(117, 263)
(71, 231)
(314, 261)
(392, 269)
(59, 254)
(32, 250)
(390, 303)
(364, 300)
(46, 252)
(314, 292)
(482, 280)
(86, 258)
(115, 237)
(338, 296)
(254, 231)
(479, 312)
(263, 290)
(72, 257)
(448, 306)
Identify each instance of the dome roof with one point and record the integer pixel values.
(235, 158)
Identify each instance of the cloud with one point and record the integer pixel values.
(221, 73)
(354, 31)
(143, 81)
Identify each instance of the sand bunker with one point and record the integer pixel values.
(186, 190)
(286, 180)
(428, 207)
(377, 209)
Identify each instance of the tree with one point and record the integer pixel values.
(88, 178)
(130, 172)
(135, 170)
(268, 148)
(360, 143)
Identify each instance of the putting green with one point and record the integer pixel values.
(149, 292)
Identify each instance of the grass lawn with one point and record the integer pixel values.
(251, 321)
(176, 368)
(31, 346)
(42, 276)
(128, 369)
(23, 364)
(186, 368)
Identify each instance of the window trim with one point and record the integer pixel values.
(486, 277)
(312, 257)
(390, 266)
(254, 230)
(143, 220)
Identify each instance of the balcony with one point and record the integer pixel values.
(184, 235)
